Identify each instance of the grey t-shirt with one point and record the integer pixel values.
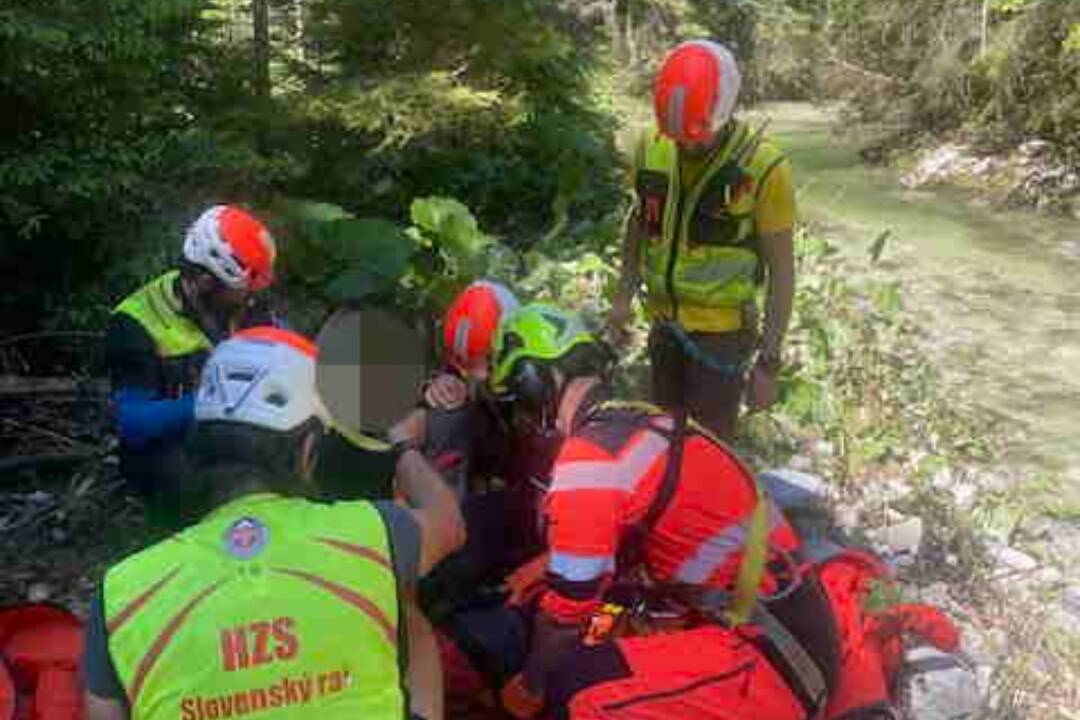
(100, 674)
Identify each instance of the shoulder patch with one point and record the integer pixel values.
(246, 538)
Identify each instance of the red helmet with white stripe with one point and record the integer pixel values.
(694, 93)
(232, 245)
(262, 376)
(471, 321)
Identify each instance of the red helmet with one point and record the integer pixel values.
(232, 245)
(695, 91)
(471, 321)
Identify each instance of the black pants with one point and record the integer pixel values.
(711, 397)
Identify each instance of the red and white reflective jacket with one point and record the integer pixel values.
(604, 480)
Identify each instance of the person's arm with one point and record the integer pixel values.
(424, 673)
(778, 253)
(430, 499)
(629, 274)
(133, 368)
(630, 257)
(775, 220)
(584, 524)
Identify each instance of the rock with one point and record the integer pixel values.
(40, 497)
(800, 462)
(38, 592)
(1008, 561)
(794, 488)
(936, 686)
(847, 517)
(943, 479)
(803, 498)
(964, 494)
(1047, 575)
(903, 538)
(1071, 601)
(1035, 148)
(823, 449)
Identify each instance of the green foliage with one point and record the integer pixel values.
(123, 118)
(932, 68)
(855, 379)
(1071, 43)
(331, 257)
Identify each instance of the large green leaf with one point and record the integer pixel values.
(370, 256)
(311, 211)
(450, 223)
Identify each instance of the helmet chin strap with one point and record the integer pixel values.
(573, 394)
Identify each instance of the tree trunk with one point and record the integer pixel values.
(985, 32)
(260, 24)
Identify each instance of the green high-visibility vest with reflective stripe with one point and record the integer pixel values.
(705, 235)
(156, 307)
(272, 607)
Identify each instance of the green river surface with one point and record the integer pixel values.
(999, 289)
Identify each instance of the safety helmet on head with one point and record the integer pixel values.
(262, 376)
(233, 246)
(695, 91)
(471, 321)
(535, 332)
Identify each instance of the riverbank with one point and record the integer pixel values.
(1034, 175)
(997, 287)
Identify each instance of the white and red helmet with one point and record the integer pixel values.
(262, 376)
(471, 321)
(232, 245)
(695, 91)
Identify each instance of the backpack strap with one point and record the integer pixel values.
(631, 549)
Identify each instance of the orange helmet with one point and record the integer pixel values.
(233, 246)
(471, 321)
(695, 91)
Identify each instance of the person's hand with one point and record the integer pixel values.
(519, 701)
(528, 580)
(761, 391)
(446, 392)
(618, 320)
(411, 428)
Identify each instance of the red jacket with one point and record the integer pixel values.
(606, 476)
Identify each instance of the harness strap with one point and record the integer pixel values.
(793, 662)
(782, 649)
(755, 553)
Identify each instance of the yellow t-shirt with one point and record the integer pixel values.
(775, 208)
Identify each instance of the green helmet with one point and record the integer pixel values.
(535, 332)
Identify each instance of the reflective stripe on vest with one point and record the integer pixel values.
(271, 606)
(755, 529)
(156, 307)
(715, 260)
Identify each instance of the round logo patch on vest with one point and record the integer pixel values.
(246, 538)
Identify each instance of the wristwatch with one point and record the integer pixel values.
(400, 447)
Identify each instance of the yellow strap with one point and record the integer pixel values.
(752, 566)
(756, 549)
(359, 439)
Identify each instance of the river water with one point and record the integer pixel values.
(999, 290)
